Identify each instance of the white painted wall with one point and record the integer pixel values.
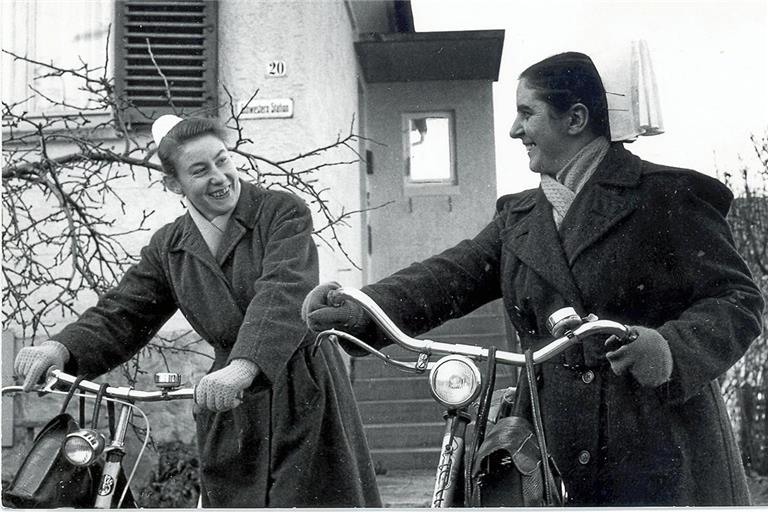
(315, 41)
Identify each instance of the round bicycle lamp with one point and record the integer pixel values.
(83, 447)
(454, 381)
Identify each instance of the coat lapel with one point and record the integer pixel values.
(244, 217)
(232, 236)
(536, 242)
(192, 242)
(605, 200)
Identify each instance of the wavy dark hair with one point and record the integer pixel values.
(569, 78)
(186, 130)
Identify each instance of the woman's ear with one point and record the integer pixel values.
(578, 119)
(172, 184)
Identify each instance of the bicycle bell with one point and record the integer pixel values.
(562, 321)
(83, 447)
(167, 380)
(454, 381)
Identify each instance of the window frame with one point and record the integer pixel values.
(447, 186)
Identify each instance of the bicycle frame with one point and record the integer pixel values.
(114, 451)
(571, 328)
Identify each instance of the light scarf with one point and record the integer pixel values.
(572, 177)
(212, 230)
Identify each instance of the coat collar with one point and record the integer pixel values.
(619, 168)
(607, 198)
(244, 218)
(536, 242)
(597, 208)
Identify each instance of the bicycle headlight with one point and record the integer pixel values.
(83, 447)
(454, 381)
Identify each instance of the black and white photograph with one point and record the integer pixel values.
(384, 254)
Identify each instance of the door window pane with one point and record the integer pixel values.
(429, 148)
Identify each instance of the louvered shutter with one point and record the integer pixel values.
(182, 39)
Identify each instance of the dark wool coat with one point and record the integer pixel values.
(644, 245)
(297, 439)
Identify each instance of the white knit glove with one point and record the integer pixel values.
(222, 390)
(33, 362)
(648, 358)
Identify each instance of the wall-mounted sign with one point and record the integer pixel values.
(276, 68)
(268, 109)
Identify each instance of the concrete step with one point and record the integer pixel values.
(391, 388)
(405, 435)
(480, 324)
(419, 410)
(407, 458)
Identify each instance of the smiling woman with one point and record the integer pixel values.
(198, 166)
(275, 425)
(609, 234)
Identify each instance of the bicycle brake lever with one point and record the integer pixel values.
(50, 381)
(319, 340)
(614, 342)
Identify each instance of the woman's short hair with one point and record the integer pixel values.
(569, 78)
(186, 130)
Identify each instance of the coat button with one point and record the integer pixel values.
(588, 376)
(584, 457)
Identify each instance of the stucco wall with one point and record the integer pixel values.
(314, 39)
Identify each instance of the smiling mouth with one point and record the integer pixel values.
(529, 146)
(220, 194)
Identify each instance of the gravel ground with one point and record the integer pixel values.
(413, 488)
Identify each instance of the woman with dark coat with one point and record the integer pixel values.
(609, 234)
(275, 426)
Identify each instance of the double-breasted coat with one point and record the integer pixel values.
(641, 244)
(297, 439)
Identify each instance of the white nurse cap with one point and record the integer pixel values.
(163, 125)
(631, 90)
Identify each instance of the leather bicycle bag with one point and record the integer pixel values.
(507, 469)
(46, 479)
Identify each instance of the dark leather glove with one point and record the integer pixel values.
(648, 358)
(323, 309)
(222, 390)
(34, 362)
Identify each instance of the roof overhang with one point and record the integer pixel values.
(422, 56)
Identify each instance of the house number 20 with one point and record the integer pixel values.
(276, 68)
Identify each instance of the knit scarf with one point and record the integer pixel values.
(562, 190)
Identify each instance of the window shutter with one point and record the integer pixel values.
(182, 40)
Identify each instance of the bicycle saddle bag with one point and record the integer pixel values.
(46, 479)
(507, 470)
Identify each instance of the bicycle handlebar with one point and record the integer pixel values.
(555, 347)
(55, 377)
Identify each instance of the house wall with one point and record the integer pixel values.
(314, 39)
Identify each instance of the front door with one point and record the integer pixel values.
(430, 182)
